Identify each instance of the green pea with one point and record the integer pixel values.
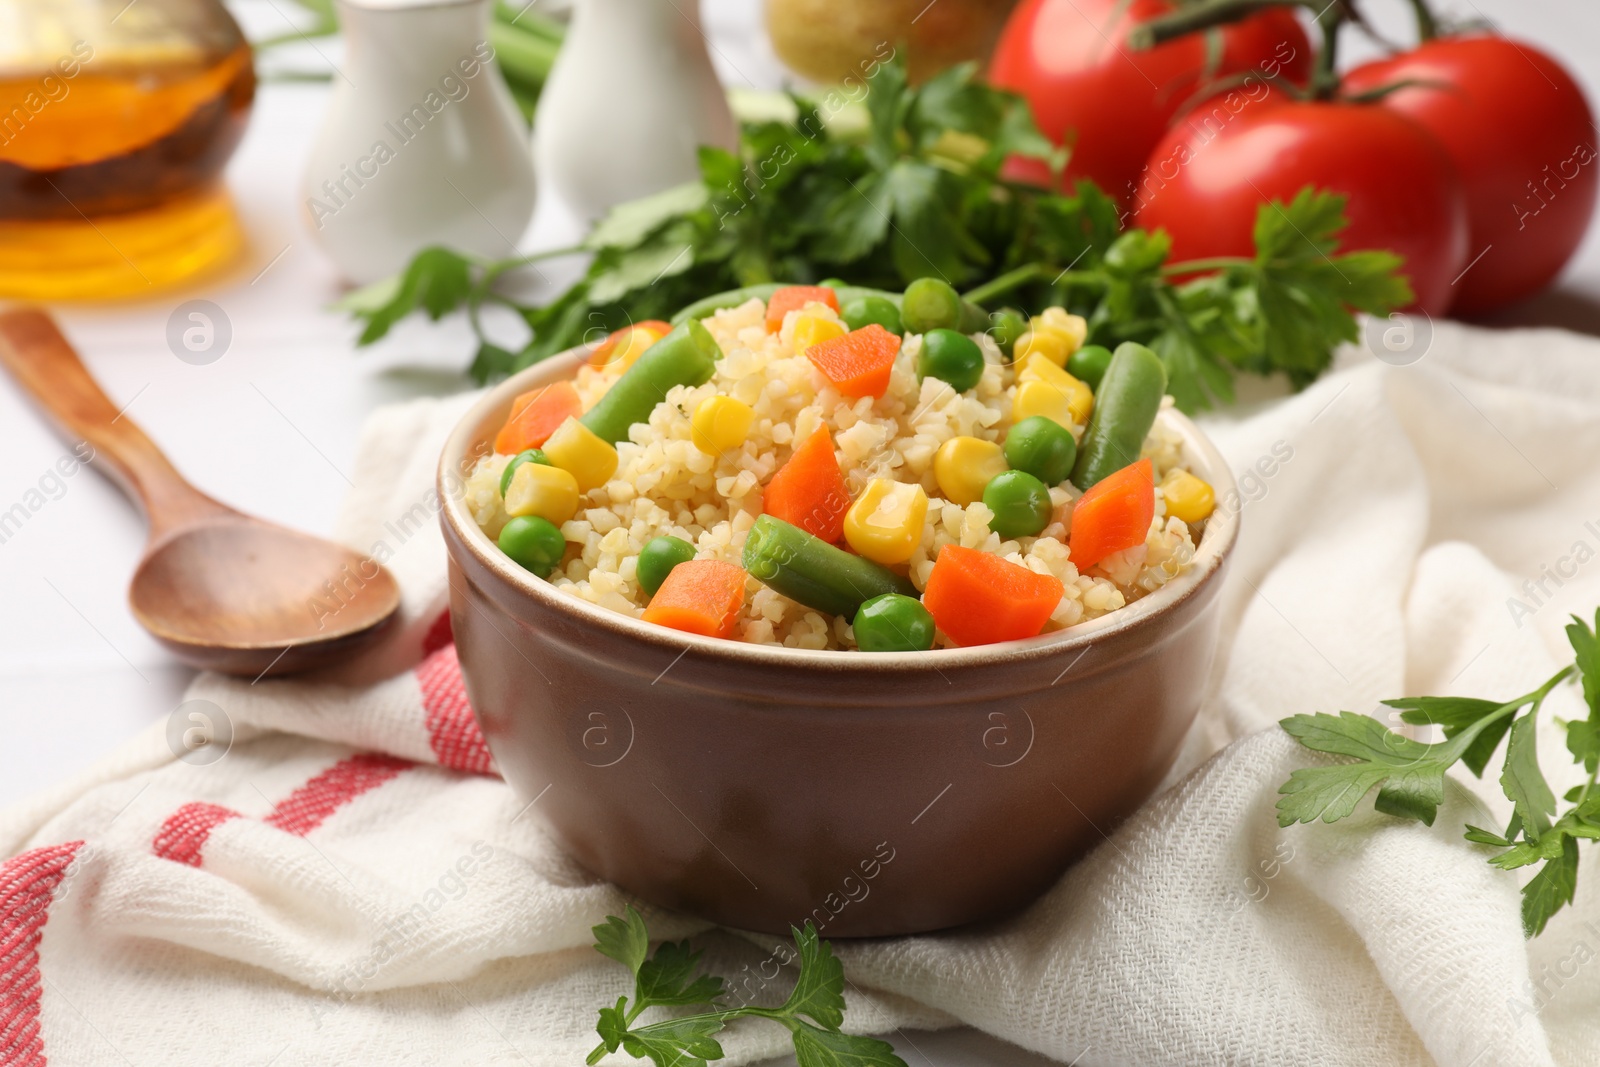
(1088, 364)
(865, 310)
(951, 357)
(1005, 326)
(833, 283)
(893, 623)
(657, 558)
(930, 304)
(1042, 447)
(533, 543)
(532, 455)
(1020, 502)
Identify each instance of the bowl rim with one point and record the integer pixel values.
(467, 441)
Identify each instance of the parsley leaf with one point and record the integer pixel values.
(1551, 889)
(1409, 774)
(435, 281)
(1455, 714)
(669, 978)
(819, 991)
(624, 939)
(829, 1048)
(1583, 735)
(1524, 783)
(685, 1042)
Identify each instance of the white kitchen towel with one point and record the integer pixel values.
(351, 883)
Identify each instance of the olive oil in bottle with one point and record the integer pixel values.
(114, 129)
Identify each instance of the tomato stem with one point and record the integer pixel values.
(1204, 14)
(1427, 23)
(1325, 78)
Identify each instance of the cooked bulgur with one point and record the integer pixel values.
(665, 485)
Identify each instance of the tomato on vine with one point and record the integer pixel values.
(1206, 179)
(1111, 104)
(1517, 126)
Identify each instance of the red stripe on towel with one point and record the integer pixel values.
(184, 834)
(453, 732)
(186, 830)
(27, 886)
(309, 806)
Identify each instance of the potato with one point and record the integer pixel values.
(832, 41)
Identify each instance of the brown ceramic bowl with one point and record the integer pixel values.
(873, 793)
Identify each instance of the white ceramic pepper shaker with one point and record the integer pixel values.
(631, 98)
(422, 143)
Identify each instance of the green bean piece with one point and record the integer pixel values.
(720, 301)
(532, 455)
(819, 575)
(657, 558)
(893, 623)
(686, 356)
(1125, 408)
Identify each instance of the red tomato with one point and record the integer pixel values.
(1207, 178)
(1519, 130)
(1112, 104)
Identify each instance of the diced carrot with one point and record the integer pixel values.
(1113, 515)
(858, 364)
(978, 599)
(701, 596)
(793, 298)
(809, 491)
(535, 415)
(655, 328)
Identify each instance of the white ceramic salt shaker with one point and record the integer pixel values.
(631, 98)
(421, 143)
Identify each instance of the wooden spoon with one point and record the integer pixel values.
(220, 589)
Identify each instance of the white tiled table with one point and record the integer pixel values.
(272, 427)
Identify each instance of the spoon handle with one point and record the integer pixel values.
(37, 355)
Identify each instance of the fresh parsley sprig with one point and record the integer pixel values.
(1409, 775)
(922, 193)
(813, 1012)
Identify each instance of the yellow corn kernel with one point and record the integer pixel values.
(548, 492)
(1047, 399)
(579, 450)
(1075, 327)
(1050, 344)
(631, 347)
(964, 467)
(720, 424)
(812, 329)
(885, 523)
(1080, 398)
(1188, 498)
